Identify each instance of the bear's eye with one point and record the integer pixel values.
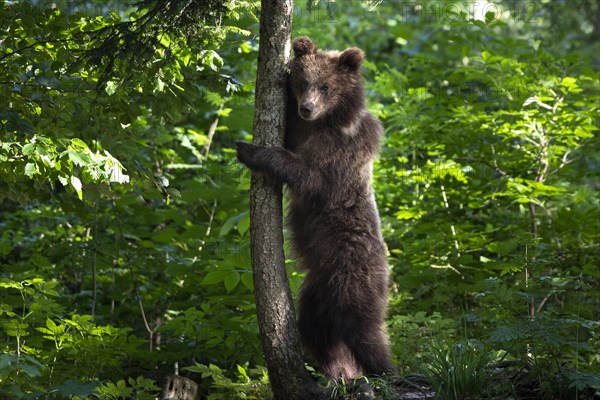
(304, 84)
(325, 89)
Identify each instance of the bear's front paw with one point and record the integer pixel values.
(246, 153)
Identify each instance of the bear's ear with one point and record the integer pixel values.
(351, 58)
(303, 46)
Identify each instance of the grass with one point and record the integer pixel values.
(460, 371)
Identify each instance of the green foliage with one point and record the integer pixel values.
(50, 347)
(251, 383)
(380, 388)
(96, 275)
(460, 371)
(140, 388)
(124, 224)
(345, 390)
(551, 345)
(404, 331)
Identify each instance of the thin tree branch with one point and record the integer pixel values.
(452, 229)
(211, 131)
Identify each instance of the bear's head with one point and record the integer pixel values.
(325, 83)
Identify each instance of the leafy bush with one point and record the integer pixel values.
(124, 243)
(410, 336)
(140, 388)
(251, 383)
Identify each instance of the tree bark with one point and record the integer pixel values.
(179, 388)
(274, 307)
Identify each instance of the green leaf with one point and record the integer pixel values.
(31, 370)
(76, 183)
(70, 388)
(29, 149)
(214, 277)
(227, 226)
(248, 280)
(243, 372)
(31, 169)
(53, 327)
(231, 280)
(79, 143)
(159, 85)
(79, 158)
(6, 309)
(243, 223)
(16, 328)
(569, 82)
(117, 175)
(409, 214)
(111, 87)
(63, 179)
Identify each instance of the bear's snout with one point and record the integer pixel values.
(306, 110)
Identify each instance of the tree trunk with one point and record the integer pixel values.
(179, 388)
(274, 307)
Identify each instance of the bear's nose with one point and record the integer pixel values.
(306, 109)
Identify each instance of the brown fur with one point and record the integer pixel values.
(331, 143)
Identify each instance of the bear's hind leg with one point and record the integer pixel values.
(340, 363)
(334, 358)
(371, 351)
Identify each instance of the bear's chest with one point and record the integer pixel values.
(324, 149)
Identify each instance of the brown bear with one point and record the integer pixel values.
(331, 143)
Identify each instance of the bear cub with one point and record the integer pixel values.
(331, 143)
